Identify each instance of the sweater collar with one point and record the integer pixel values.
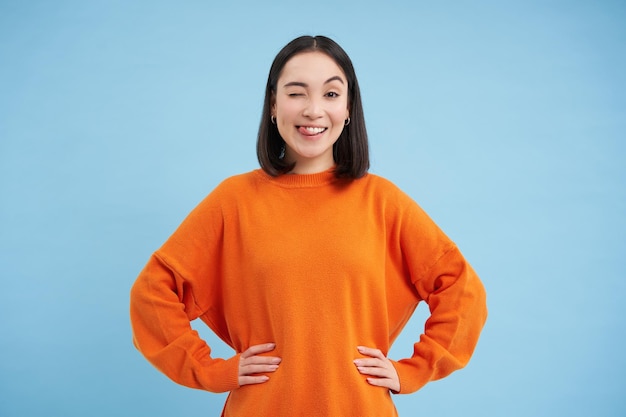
(301, 180)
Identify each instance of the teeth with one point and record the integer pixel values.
(315, 130)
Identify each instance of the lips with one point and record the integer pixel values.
(311, 130)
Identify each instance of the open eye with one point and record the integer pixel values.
(332, 94)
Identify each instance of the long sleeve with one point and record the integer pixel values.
(165, 299)
(456, 299)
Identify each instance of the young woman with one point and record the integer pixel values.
(309, 267)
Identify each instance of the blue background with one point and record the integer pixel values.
(504, 120)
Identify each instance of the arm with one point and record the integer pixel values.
(428, 266)
(458, 312)
(162, 306)
(423, 264)
(457, 303)
(161, 311)
(180, 283)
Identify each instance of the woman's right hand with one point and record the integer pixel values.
(250, 364)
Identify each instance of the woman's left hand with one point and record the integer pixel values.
(380, 369)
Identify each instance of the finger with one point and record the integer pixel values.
(365, 362)
(374, 371)
(256, 369)
(256, 349)
(374, 353)
(383, 382)
(260, 360)
(250, 380)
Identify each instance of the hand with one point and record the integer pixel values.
(250, 364)
(382, 371)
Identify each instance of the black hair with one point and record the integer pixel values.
(351, 150)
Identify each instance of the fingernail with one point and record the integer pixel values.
(276, 360)
(357, 362)
(271, 345)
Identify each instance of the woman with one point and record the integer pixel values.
(308, 268)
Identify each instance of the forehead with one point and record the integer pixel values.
(311, 66)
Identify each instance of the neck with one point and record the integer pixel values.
(305, 166)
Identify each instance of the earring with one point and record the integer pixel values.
(282, 152)
(273, 119)
(347, 122)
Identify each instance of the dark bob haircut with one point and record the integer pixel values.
(350, 152)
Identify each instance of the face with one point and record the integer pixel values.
(311, 106)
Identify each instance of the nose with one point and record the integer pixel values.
(313, 108)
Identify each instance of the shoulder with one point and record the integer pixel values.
(241, 180)
(396, 205)
(228, 191)
(386, 190)
(237, 184)
(380, 182)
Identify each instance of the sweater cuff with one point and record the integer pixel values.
(220, 375)
(411, 379)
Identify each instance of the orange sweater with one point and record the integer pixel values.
(318, 266)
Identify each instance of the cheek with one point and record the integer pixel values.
(340, 110)
(340, 114)
(285, 109)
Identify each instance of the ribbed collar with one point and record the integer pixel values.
(300, 180)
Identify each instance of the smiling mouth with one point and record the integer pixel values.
(309, 130)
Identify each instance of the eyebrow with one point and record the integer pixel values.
(301, 84)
